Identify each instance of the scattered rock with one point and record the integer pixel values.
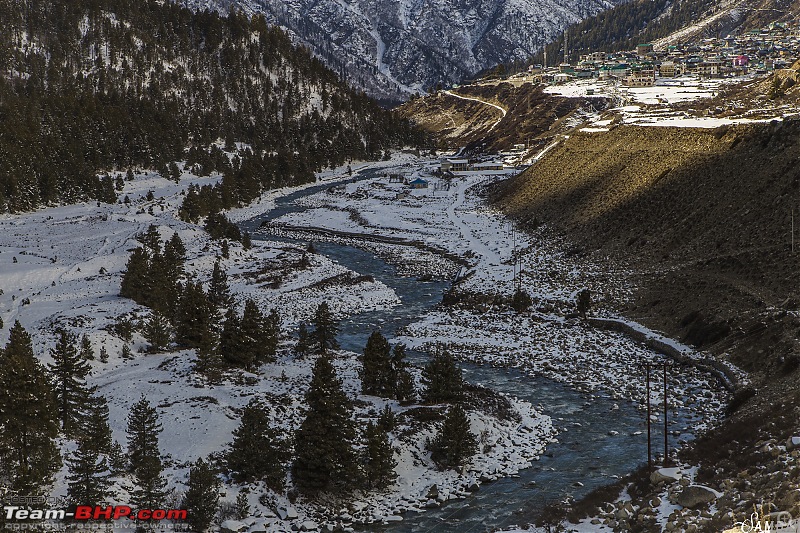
(287, 513)
(666, 475)
(696, 495)
(433, 492)
(232, 526)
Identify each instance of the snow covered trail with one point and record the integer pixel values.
(484, 102)
(476, 244)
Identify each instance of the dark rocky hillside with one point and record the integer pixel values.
(703, 219)
(705, 215)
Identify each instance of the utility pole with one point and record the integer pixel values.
(666, 444)
(649, 447)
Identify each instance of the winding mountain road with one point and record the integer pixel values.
(484, 102)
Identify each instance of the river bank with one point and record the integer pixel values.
(543, 341)
(65, 265)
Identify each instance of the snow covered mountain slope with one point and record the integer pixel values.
(395, 48)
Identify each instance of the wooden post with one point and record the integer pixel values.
(649, 447)
(666, 443)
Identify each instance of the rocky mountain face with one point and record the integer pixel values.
(395, 48)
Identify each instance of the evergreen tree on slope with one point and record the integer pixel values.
(257, 452)
(88, 478)
(69, 371)
(376, 367)
(324, 456)
(28, 418)
(454, 444)
(144, 456)
(379, 462)
(442, 379)
(325, 329)
(201, 500)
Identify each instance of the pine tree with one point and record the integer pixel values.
(150, 490)
(250, 331)
(144, 456)
(69, 371)
(164, 290)
(376, 369)
(87, 352)
(218, 291)
(257, 452)
(403, 381)
(454, 444)
(270, 336)
(143, 430)
(151, 238)
(521, 301)
(27, 417)
(201, 500)
(442, 379)
(387, 420)
(96, 431)
(174, 256)
(324, 456)
(126, 352)
(194, 322)
(88, 476)
(379, 462)
(136, 279)
(117, 460)
(303, 341)
(158, 332)
(405, 392)
(103, 354)
(325, 330)
(242, 506)
(230, 345)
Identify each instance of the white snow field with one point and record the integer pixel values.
(62, 267)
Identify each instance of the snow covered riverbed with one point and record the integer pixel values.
(452, 215)
(62, 267)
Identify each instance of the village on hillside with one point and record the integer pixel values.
(757, 51)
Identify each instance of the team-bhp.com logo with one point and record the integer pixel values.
(93, 512)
